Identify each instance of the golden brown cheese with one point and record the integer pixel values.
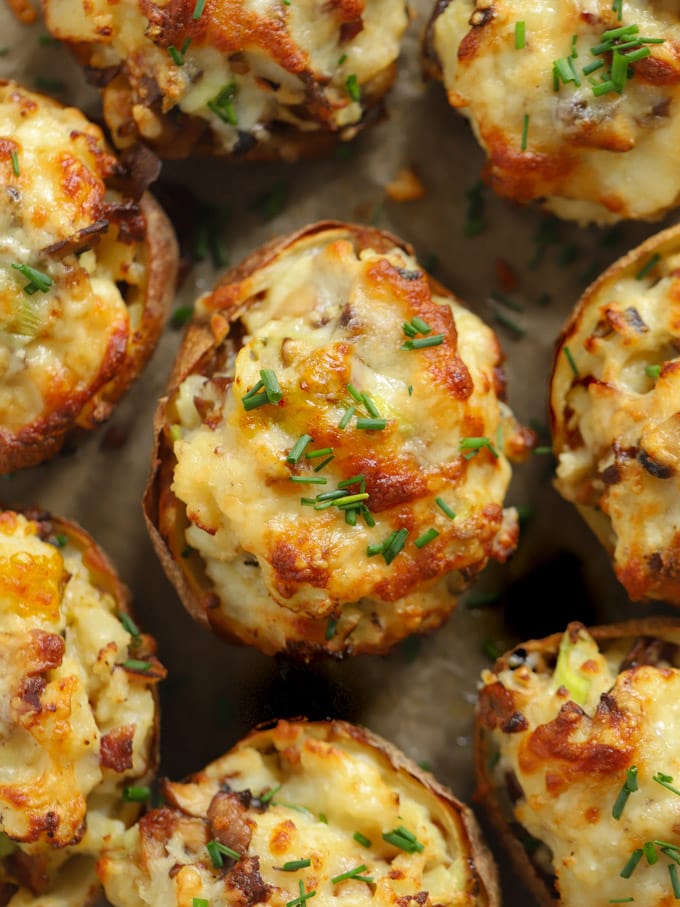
(255, 77)
(522, 74)
(565, 725)
(616, 433)
(325, 810)
(76, 320)
(290, 537)
(76, 724)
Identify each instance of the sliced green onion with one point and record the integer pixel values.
(223, 104)
(298, 448)
(331, 628)
(370, 406)
(650, 853)
(218, 851)
(353, 87)
(271, 385)
(355, 873)
(294, 865)
(570, 360)
(426, 538)
(350, 499)
(520, 34)
(421, 343)
(347, 415)
(653, 371)
(673, 872)
(135, 664)
(443, 506)
(525, 132)
(371, 424)
(136, 793)
(394, 545)
(323, 463)
(421, 326)
(664, 780)
(15, 163)
(198, 9)
(200, 902)
(403, 839)
(309, 480)
(38, 280)
(629, 785)
(477, 444)
(254, 401)
(270, 794)
(128, 623)
(353, 480)
(646, 268)
(321, 452)
(361, 839)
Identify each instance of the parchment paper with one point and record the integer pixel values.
(421, 696)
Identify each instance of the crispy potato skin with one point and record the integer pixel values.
(356, 780)
(232, 79)
(614, 422)
(550, 769)
(77, 726)
(310, 571)
(70, 349)
(588, 158)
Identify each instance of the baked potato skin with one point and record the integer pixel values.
(589, 158)
(231, 79)
(80, 724)
(613, 395)
(305, 791)
(108, 254)
(555, 746)
(291, 607)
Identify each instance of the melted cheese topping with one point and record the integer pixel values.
(324, 788)
(570, 757)
(617, 434)
(63, 338)
(590, 158)
(240, 68)
(328, 321)
(75, 725)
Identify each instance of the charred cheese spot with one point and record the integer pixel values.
(590, 158)
(74, 728)
(307, 792)
(326, 316)
(240, 77)
(616, 426)
(72, 338)
(557, 781)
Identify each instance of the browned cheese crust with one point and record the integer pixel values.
(301, 807)
(576, 759)
(105, 256)
(234, 515)
(616, 429)
(235, 78)
(566, 119)
(79, 713)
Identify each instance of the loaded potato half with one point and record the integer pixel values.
(278, 79)
(615, 421)
(575, 104)
(323, 810)
(577, 753)
(333, 451)
(78, 713)
(87, 272)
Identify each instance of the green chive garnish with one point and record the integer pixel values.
(347, 415)
(321, 452)
(353, 480)
(426, 538)
(271, 385)
(403, 839)
(310, 480)
(646, 268)
(298, 448)
(135, 664)
(355, 873)
(632, 862)
(370, 406)
(331, 627)
(254, 401)
(200, 902)
(136, 794)
(421, 343)
(441, 503)
(673, 872)
(15, 163)
(629, 785)
(421, 326)
(570, 360)
(294, 865)
(371, 424)
(353, 87)
(520, 34)
(394, 545)
(361, 839)
(37, 280)
(304, 896)
(128, 623)
(664, 781)
(653, 371)
(175, 55)
(270, 794)
(477, 444)
(323, 463)
(525, 132)
(198, 9)
(218, 851)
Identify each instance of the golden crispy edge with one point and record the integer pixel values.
(484, 794)
(163, 513)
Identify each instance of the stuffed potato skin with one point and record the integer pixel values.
(87, 274)
(316, 798)
(79, 720)
(232, 506)
(575, 746)
(613, 398)
(551, 133)
(235, 78)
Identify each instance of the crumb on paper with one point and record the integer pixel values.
(24, 11)
(406, 186)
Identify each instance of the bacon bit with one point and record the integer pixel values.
(506, 276)
(24, 11)
(116, 748)
(406, 186)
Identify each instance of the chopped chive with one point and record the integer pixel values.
(198, 9)
(653, 371)
(353, 480)
(621, 900)
(673, 872)
(200, 902)
(351, 516)
(353, 87)
(347, 415)
(629, 785)
(136, 664)
(309, 480)
(593, 67)
(270, 794)
(330, 495)
(294, 865)
(223, 104)
(403, 839)
(323, 463)
(310, 502)
(355, 393)
(542, 451)
(617, 7)
(664, 780)
(176, 55)
(181, 316)
(525, 132)
(441, 503)
(371, 424)
(361, 839)
(15, 163)
(370, 406)
(271, 385)
(355, 873)
(477, 444)
(321, 452)
(136, 793)
(254, 389)
(61, 541)
(410, 390)
(298, 448)
(304, 896)
(409, 330)
(342, 59)
(368, 516)
(570, 360)
(38, 280)
(350, 499)
(631, 864)
(421, 343)
(254, 401)
(421, 326)
(128, 623)
(218, 851)
(520, 34)
(394, 545)
(426, 538)
(650, 853)
(375, 548)
(650, 265)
